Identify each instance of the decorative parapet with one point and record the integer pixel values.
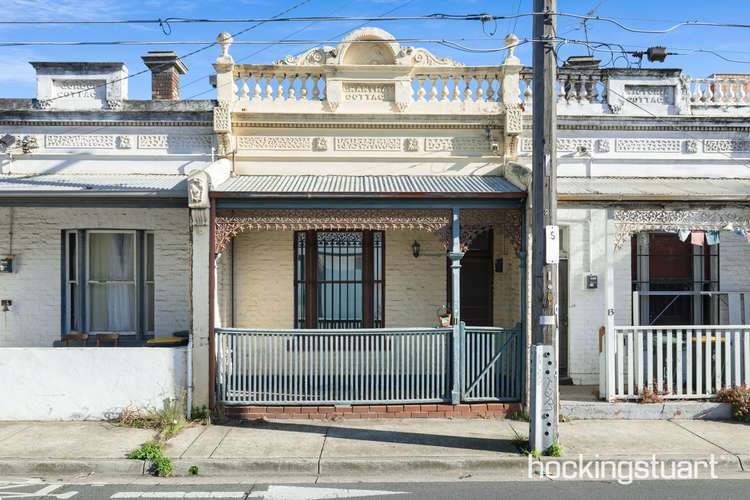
(369, 71)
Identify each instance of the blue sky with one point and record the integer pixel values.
(17, 77)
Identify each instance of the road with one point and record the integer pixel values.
(558, 490)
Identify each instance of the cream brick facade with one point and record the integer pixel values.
(414, 287)
(35, 286)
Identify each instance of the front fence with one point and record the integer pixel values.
(367, 366)
(680, 362)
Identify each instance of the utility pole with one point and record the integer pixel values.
(545, 251)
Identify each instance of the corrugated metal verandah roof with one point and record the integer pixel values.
(417, 185)
(653, 188)
(35, 185)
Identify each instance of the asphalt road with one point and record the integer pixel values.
(536, 490)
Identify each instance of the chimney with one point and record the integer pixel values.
(166, 69)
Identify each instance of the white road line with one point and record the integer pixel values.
(305, 493)
(179, 494)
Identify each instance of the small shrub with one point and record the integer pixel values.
(649, 395)
(555, 450)
(166, 422)
(161, 467)
(739, 399)
(193, 470)
(535, 453)
(152, 452)
(148, 451)
(202, 415)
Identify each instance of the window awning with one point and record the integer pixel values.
(421, 186)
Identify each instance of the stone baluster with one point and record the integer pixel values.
(710, 89)
(480, 88)
(731, 96)
(467, 89)
(316, 87)
(420, 88)
(528, 92)
(582, 95)
(742, 91)
(279, 86)
(303, 87)
(433, 88)
(456, 88)
(490, 87)
(256, 86)
(269, 87)
(592, 87)
(697, 95)
(722, 90)
(245, 90)
(444, 92)
(292, 93)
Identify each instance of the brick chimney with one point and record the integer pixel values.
(166, 69)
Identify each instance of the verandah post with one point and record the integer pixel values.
(609, 284)
(455, 256)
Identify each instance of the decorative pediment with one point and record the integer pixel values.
(418, 56)
(317, 56)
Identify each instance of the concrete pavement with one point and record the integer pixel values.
(363, 449)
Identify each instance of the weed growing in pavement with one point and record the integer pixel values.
(649, 395)
(739, 398)
(519, 415)
(555, 450)
(153, 452)
(193, 470)
(167, 422)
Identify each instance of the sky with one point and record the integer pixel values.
(17, 77)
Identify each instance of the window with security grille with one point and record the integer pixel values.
(339, 279)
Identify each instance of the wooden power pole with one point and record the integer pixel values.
(545, 251)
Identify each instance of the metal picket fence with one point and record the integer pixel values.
(368, 366)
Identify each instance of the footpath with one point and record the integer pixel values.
(429, 449)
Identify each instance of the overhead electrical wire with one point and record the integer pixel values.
(183, 20)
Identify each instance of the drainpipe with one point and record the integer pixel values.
(190, 375)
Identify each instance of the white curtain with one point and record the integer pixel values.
(112, 282)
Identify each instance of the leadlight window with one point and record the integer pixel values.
(339, 279)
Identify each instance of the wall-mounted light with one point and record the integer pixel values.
(415, 249)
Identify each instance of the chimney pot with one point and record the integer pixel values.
(166, 69)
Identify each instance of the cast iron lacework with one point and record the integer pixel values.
(629, 222)
(473, 222)
(339, 238)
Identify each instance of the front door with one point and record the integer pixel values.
(476, 282)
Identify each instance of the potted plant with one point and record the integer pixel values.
(444, 316)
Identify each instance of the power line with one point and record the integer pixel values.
(612, 20)
(281, 41)
(389, 11)
(293, 7)
(275, 19)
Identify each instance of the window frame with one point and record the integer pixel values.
(309, 278)
(82, 279)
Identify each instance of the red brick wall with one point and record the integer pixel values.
(373, 411)
(165, 85)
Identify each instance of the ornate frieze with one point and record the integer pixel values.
(320, 144)
(648, 145)
(473, 222)
(564, 145)
(79, 141)
(602, 145)
(176, 142)
(411, 144)
(628, 222)
(274, 143)
(448, 144)
(384, 144)
(691, 146)
(124, 142)
(726, 146)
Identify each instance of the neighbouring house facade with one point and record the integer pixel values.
(349, 227)
(95, 239)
